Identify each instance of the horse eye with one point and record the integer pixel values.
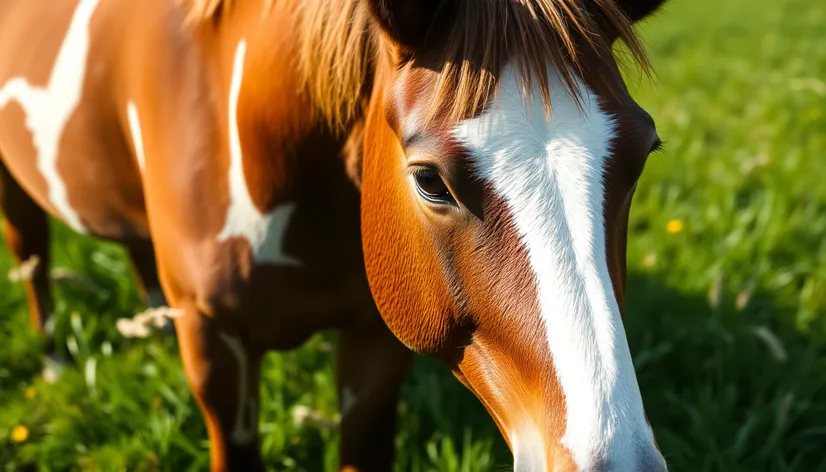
(431, 186)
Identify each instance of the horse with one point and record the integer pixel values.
(445, 177)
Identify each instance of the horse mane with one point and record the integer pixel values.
(337, 48)
(573, 36)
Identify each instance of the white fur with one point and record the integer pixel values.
(550, 174)
(137, 134)
(246, 415)
(265, 233)
(48, 109)
(528, 449)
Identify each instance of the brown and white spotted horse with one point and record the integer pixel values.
(466, 166)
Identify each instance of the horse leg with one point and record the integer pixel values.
(142, 254)
(372, 365)
(224, 375)
(26, 229)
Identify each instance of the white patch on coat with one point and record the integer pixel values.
(264, 232)
(528, 449)
(550, 174)
(137, 134)
(49, 109)
(246, 414)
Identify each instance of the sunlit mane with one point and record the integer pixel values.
(337, 48)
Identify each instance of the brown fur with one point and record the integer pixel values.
(200, 10)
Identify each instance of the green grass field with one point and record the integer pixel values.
(726, 312)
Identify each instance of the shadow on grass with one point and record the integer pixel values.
(728, 381)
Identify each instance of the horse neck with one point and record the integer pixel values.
(274, 101)
(272, 30)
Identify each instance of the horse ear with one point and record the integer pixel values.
(639, 9)
(413, 24)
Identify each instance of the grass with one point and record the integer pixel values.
(726, 313)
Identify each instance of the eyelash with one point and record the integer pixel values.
(444, 198)
(659, 148)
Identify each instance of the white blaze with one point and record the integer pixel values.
(264, 232)
(48, 109)
(550, 174)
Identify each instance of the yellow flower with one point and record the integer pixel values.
(19, 434)
(30, 393)
(674, 226)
